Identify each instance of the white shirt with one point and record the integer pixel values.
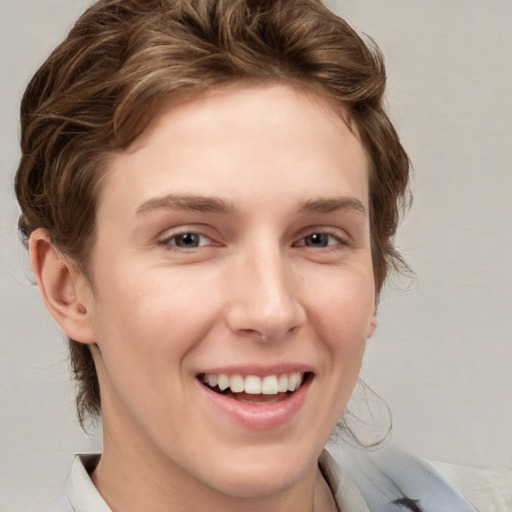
(360, 482)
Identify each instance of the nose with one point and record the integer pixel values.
(264, 302)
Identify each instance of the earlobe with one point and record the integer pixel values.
(63, 290)
(372, 324)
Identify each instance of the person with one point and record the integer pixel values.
(209, 193)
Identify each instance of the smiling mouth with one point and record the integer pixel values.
(253, 389)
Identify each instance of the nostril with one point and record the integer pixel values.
(269, 334)
(250, 332)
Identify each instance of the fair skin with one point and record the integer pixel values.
(232, 241)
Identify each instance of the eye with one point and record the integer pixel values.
(321, 240)
(188, 240)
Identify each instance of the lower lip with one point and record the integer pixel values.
(262, 416)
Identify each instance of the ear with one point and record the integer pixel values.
(372, 325)
(66, 293)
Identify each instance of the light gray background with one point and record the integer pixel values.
(442, 355)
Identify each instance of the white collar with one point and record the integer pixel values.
(367, 482)
(84, 497)
(82, 493)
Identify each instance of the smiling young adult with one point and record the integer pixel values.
(209, 191)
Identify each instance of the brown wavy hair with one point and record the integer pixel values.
(102, 85)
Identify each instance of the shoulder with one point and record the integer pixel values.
(489, 490)
(389, 476)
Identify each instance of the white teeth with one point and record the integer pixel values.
(269, 385)
(223, 382)
(254, 385)
(294, 381)
(236, 383)
(283, 383)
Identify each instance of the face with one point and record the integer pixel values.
(232, 289)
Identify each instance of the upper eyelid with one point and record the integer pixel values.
(339, 242)
(168, 235)
(209, 232)
(326, 230)
(201, 229)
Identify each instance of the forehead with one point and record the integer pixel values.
(253, 132)
(247, 98)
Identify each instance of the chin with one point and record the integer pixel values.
(266, 482)
(261, 476)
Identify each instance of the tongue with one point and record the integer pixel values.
(256, 399)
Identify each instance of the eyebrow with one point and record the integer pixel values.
(222, 207)
(188, 202)
(328, 205)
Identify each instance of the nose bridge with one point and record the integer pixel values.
(266, 302)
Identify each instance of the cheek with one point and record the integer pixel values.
(146, 324)
(345, 308)
(342, 314)
(154, 304)
(145, 333)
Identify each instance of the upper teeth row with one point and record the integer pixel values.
(254, 385)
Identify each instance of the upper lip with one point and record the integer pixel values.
(257, 370)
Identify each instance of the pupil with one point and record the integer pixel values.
(188, 240)
(317, 240)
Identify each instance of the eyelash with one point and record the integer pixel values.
(167, 242)
(332, 234)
